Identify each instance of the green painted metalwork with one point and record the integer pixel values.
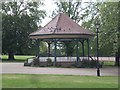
(88, 48)
(37, 47)
(55, 55)
(77, 53)
(83, 53)
(49, 49)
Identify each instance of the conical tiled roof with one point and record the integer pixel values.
(61, 27)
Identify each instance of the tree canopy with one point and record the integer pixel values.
(19, 19)
(107, 13)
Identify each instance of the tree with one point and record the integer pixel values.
(108, 15)
(109, 27)
(19, 19)
(118, 59)
(43, 49)
(109, 24)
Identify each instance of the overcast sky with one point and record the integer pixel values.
(48, 7)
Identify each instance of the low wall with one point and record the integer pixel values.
(64, 61)
(59, 64)
(74, 58)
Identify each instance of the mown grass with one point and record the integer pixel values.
(109, 63)
(58, 81)
(18, 58)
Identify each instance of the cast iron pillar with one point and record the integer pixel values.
(55, 58)
(88, 48)
(37, 47)
(83, 53)
(49, 49)
(77, 53)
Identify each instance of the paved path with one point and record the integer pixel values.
(21, 69)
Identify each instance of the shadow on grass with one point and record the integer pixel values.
(16, 60)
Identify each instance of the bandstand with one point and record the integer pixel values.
(62, 29)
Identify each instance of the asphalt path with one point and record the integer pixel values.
(19, 68)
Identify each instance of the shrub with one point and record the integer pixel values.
(49, 62)
(35, 62)
(86, 63)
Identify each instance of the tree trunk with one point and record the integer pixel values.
(11, 55)
(117, 57)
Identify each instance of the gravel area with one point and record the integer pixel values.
(19, 68)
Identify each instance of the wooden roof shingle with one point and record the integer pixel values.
(61, 26)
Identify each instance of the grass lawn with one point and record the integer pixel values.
(109, 63)
(18, 58)
(58, 81)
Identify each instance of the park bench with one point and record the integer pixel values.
(29, 61)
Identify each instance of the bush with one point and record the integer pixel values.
(35, 62)
(85, 63)
(49, 62)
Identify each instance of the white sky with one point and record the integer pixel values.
(48, 7)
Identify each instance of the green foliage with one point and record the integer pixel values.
(109, 25)
(19, 19)
(43, 48)
(49, 62)
(69, 48)
(75, 10)
(15, 33)
(85, 63)
(35, 62)
(107, 13)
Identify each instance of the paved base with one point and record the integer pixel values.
(19, 68)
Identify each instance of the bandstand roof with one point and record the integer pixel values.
(62, 27)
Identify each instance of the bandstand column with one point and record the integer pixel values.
(55, 48)
(83, 53)
(37, 47)
(77, 53)
(49, 49)
(88, 48)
